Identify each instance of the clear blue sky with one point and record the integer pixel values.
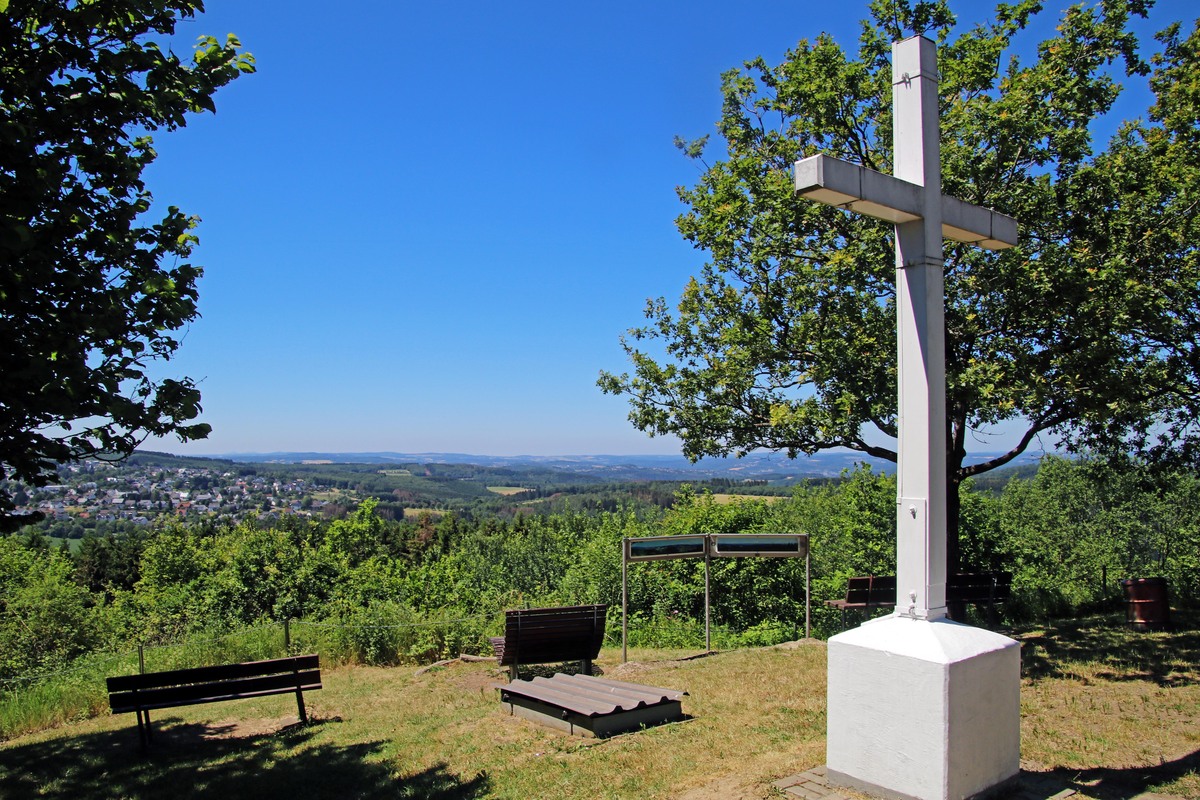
(426, 225)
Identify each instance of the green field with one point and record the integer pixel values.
(733, 498)
(72, 544)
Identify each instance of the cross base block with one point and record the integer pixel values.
(923, 710)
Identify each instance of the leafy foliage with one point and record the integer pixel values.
(46, 619)
(374, 590)
(1089, 330)
(91, 289)
(1073, 531)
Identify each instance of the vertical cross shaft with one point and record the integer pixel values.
(918, 707)
(912, 200)
(921, 369)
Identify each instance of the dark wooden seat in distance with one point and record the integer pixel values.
(184, 687)
(545, 635)
(985, 590)
(866, 593)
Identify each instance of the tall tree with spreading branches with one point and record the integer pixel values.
(1088, 332)
(94, 286)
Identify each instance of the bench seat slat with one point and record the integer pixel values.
(539, 627)
(554, 611)
(867, 592)
(581, 636)
(542, 629)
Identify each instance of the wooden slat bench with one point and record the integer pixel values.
(866, 593)
(984, 590)
(184, 687)
(544, 635)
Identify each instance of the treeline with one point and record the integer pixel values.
(476, 501)
(80, 528)
(616, 496)
(1067, 534)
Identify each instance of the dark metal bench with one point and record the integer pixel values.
(544, 635)
(866, 593)
(184, 687)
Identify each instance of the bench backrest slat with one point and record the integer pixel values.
(976, 587)
(963, 587)
(222, 672)
(871, 590)
(218, 690)
(564, 633)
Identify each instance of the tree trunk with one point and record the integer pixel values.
(956, 611)
(953, 508)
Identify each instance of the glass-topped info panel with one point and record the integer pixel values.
(770, 545)
(648, 548)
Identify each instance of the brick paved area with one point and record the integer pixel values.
(812, 785)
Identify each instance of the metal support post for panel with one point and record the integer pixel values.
(707, 638)
(624, 603)
(807, 596)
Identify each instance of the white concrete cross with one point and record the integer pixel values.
(913, 200)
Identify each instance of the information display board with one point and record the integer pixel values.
(709, 546)
(765, 545)
(652, 548)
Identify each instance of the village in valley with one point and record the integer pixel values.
(140, 494)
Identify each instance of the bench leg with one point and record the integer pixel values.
(300, 707)
(586, 664)
(512, 672)
(143, 725)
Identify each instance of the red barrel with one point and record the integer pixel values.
(1147, 604)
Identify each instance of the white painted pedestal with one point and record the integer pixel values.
(926, 710)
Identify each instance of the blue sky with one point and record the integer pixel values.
(425, 226)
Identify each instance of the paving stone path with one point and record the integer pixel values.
(812, 785)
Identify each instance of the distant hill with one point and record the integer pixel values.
(149, 485)
(755, 466)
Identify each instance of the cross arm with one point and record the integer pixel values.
(845, 185)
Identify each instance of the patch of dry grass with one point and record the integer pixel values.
(754, 715)
(725, 499)
(414, 514)
(1114, 711)
(1108, 713)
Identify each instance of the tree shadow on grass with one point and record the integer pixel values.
(1105, 783)
(1168, 659)
(201, 760)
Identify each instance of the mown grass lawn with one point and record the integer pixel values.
(1105, 712)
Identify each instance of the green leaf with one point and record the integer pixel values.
(93, 289)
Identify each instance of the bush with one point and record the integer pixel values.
(386, 633)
